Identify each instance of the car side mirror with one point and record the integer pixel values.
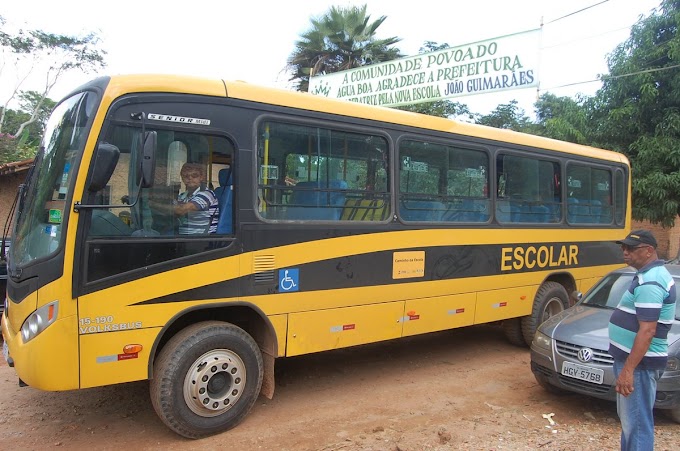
(576, 296)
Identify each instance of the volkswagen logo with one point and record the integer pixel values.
(585, 355)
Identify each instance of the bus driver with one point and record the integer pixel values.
(196, 208)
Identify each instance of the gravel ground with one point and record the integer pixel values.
(466, 389)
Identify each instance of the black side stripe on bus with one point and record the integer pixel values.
(441, 263)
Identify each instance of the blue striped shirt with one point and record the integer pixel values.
(650, 297)
(205, 219)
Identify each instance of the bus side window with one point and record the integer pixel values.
(590, 194)
(312, 200)
(443, 183)
(419, 181)
(528, 190)
(620, 197)
(315, 174)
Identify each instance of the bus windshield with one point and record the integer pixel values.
(42, 207)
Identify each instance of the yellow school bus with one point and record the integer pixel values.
(317, 224)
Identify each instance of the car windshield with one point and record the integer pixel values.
(607, 293)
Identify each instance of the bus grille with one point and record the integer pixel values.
(263, 268)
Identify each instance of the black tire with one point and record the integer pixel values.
(512, 328)
(551, 298)
(547, 386)
(206, 379)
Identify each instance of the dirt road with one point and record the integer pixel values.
(462, 389)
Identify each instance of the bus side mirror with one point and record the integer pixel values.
(104, 163)
(149, 158)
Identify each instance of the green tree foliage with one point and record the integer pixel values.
(637, 111)
(28, 101)
(31, 50)
(13, 120)
(440, 108)
(12, 150)
(562, 118)
(20, 147)
(343, 38)
(508, 116)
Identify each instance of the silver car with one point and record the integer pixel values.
(569, 350)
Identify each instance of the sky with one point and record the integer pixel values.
(251, 40)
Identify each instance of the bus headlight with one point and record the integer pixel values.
(39, 320)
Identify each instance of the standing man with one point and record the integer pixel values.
(637, 339)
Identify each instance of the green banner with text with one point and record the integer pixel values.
(499, 64)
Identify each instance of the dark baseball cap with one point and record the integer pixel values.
(637, 237)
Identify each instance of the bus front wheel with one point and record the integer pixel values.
(551, 298)
(206, 379)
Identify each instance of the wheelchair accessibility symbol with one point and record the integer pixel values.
(289, 280)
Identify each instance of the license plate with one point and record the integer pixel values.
(5, 351)
(582, 372)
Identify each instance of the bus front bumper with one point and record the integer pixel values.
(47, 362)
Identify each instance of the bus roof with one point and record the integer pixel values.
(122, 84)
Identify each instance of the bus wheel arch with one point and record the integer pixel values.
(249, 318)
(551, 298)
(206, 378)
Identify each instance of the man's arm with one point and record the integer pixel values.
(184, 208)
(643, 338)
(176, 209)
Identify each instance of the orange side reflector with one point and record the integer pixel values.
(131, 349)
(522, 297)
(50, 312)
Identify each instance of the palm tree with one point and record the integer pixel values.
(344, 38)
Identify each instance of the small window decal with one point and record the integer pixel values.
(180, 119)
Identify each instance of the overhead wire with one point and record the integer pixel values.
(604, 77)
(613, 77)
(559, 44)
(576, 12)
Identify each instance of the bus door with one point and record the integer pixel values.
(153, 245)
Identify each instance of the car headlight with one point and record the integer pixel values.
(673, 364)
(541, 340)
(39, 320)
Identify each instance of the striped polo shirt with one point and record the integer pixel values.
(205, 219)
(650, 297)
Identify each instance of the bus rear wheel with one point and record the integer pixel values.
(512, 329)
(551, 299)
(206, 379)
